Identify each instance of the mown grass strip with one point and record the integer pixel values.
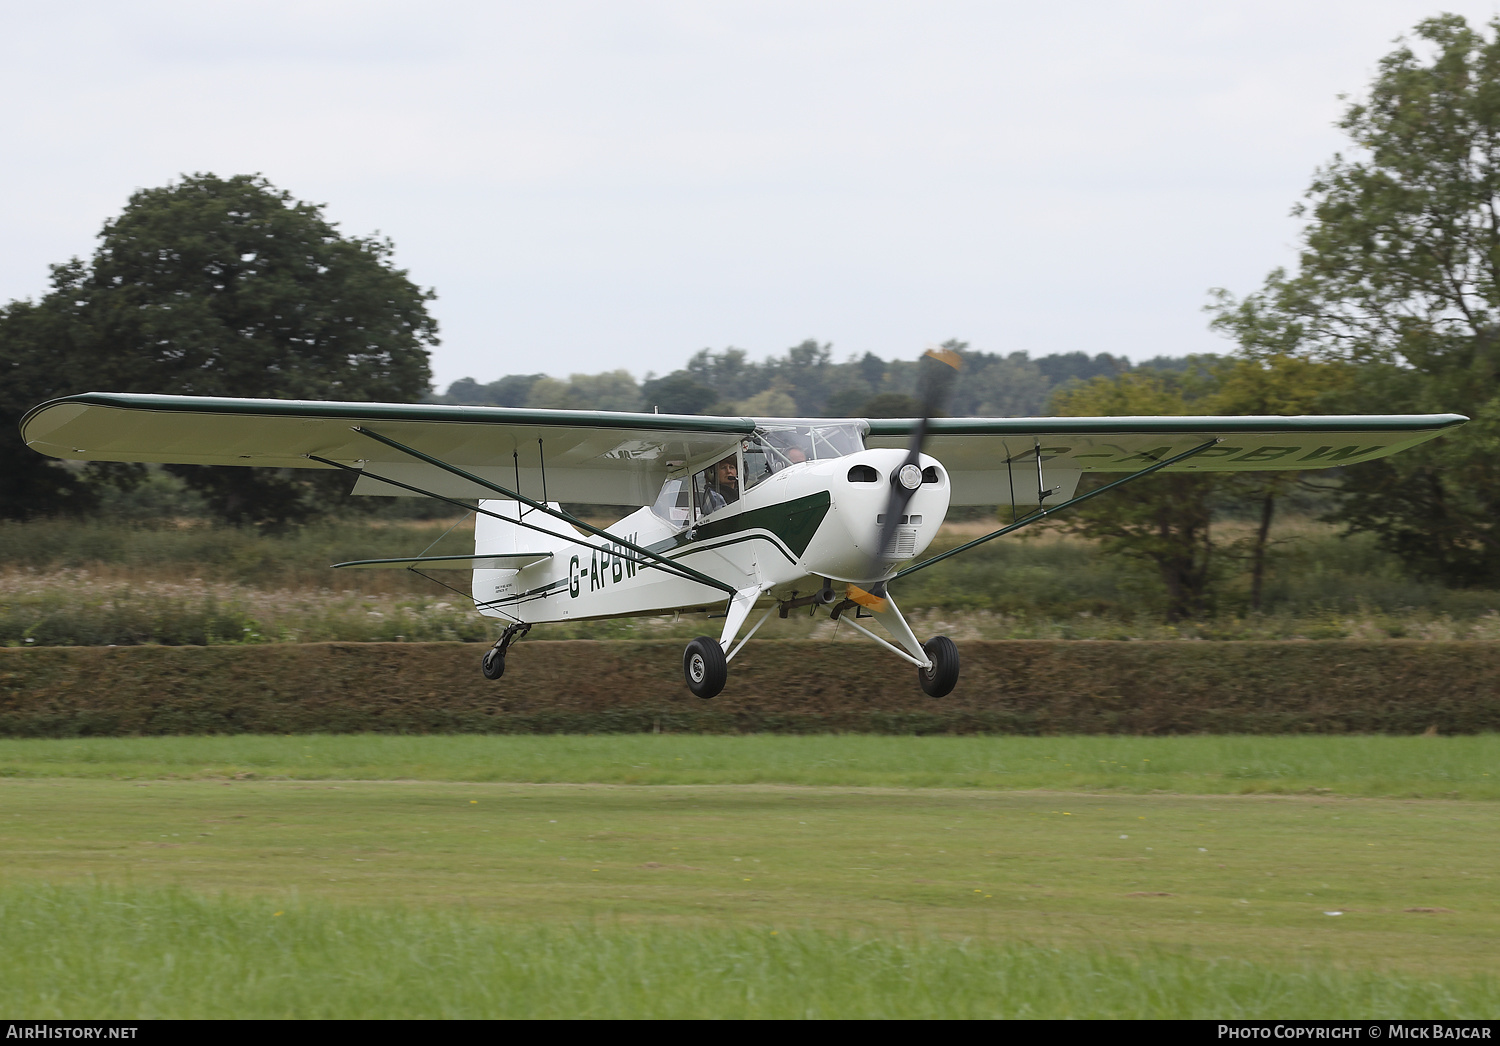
(97, 953)
(1465, 767)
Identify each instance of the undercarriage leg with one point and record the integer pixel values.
(936, 660)
(493, 662)
(889, 616)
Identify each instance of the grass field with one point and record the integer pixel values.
(139, 953)
(765, 876)
(1371, 766)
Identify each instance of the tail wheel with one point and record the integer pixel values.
(939, 679)
(704, 665)
(493, 664)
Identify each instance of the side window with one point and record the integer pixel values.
(672, 503)
(718, 486)
(757, 462)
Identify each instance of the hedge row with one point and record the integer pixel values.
(1021, 687)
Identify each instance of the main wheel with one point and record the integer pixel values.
(705, 667)
(940, 679)
(493, 664)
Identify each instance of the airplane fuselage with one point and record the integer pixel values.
(810, 522)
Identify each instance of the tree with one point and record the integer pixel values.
(230, 287)
(1164, 520)
(1167, 519)
(729, 373)
(611, 390)
(1269, 385)
(803, 377)
(891, 405)
(1399, 272)
(1000, 387)
(677, 393)
(1064, 367)
(31, 485)
(509, 391)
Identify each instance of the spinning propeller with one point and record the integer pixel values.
(937, 370)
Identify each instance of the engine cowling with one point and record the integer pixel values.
(847, 545)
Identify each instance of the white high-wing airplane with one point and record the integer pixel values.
(736, 514)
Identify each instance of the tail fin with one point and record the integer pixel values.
(501, 536)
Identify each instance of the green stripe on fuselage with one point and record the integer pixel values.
(794, 522)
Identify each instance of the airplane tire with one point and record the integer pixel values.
(942, 677)
(493, 664)
(704, 666)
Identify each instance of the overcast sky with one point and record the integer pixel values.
(599, 185)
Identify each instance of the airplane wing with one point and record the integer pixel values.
(587, 456)
(992, 460)
(622, 459)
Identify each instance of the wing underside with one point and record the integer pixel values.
(623, 459)
(992, 460)
(580, 456)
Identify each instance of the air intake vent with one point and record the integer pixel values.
(863, 474)
(903, 545)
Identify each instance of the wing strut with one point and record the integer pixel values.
(1043, 512)
(567, 517)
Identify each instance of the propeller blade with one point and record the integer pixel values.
(937, 371)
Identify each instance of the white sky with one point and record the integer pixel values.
(596, 185)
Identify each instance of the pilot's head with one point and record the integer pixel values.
(726, 472)
(796, 455)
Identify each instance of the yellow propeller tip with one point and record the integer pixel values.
(948, 356)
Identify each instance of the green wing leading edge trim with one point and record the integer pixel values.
(1171, 425)
(433, 412)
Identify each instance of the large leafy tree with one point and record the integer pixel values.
(226, 287)
(29, 373)
(1399, 273)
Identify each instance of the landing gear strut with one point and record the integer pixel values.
(493, 663)
(705, 662)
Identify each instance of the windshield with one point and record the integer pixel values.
(672, 503)
(779, 445)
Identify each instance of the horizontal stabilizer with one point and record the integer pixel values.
(492, 561)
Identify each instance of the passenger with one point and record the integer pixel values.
(785, 455)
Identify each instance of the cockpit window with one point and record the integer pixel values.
(776, 446)
(672, 503)
(717, 486)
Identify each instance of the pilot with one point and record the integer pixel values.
(723, 485)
